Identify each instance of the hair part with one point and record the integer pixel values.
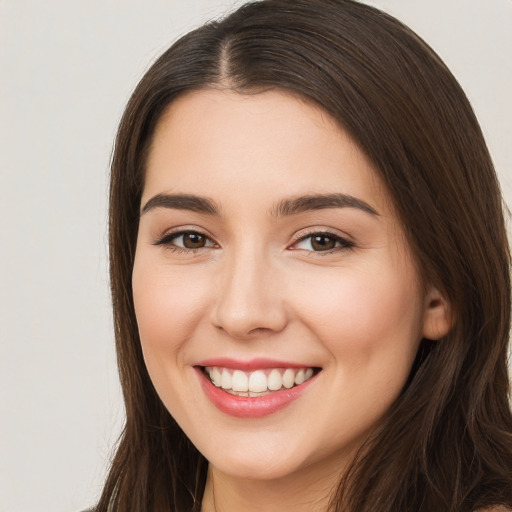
(446, 444)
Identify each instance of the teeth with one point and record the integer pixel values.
(239, 382)
(225, 381)
(299, 378)
(288, 378)
(258, 382)
(216, 377)
(274, 380)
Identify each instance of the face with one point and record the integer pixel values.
(278, 305)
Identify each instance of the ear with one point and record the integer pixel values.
(437, 315)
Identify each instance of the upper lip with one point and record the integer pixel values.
(252, 364)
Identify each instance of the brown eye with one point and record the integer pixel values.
(185, 241)
(194, 240)
(323, 243)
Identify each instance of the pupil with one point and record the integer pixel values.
(193, 240)
(322, 243)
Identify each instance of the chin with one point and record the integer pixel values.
(257, 468)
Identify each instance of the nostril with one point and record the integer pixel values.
(249, 322)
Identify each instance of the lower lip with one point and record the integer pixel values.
(251, 407)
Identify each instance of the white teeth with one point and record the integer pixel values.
(257, 382)
(288, 378)
(274, 380)
(299, 378)
(225, 382)
(216, 377)
(239, 381)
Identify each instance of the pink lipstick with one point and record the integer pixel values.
(256, 388)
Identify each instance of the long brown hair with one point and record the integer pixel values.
(446, 444)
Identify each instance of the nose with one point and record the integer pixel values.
(249, 301)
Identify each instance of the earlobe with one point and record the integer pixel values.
(438, 315)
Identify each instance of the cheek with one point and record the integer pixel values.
(364, 313)
(167, 306)
(168, 310)
(371, 326)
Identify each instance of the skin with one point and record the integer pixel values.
(259, 288)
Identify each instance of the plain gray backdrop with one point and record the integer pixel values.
(67, 68)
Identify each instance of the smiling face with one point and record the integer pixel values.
(269, 260)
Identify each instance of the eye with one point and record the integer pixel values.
(186, 241)
(322, 242)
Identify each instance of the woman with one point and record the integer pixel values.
(310, 274)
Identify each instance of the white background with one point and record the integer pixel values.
(67, 68)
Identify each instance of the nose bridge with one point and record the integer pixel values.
(248, 297)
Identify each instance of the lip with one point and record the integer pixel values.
(253, 364)
(250, 407)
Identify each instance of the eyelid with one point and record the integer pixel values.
(165, 239)
(344, 240)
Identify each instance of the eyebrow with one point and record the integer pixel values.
(181, 202)
(308, 203)
(284, 208)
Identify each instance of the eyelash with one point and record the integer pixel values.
(167, 239)
(344, 243)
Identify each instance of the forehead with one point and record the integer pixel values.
(270, 144)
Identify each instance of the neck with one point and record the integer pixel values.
(308, 491)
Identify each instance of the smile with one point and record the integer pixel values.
(256, 389)
(259, 382)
